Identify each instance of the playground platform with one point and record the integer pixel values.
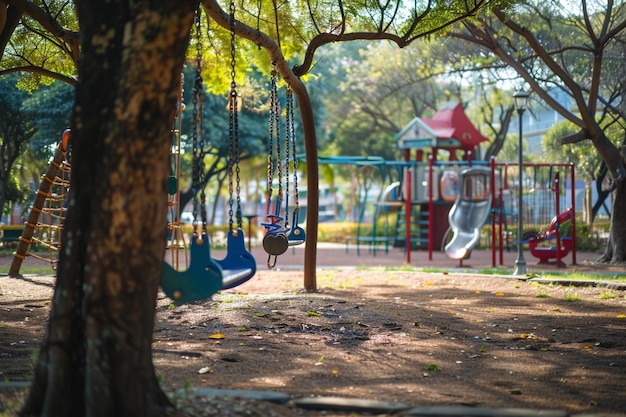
(336, 255)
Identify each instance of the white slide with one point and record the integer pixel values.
(470, 211)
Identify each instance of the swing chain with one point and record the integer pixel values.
(196, 119)
(274, 126)
(291, 133)
(233, 129)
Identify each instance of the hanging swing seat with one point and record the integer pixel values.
(275, 241)
(239, 265)
(201, 280)
(296, 235)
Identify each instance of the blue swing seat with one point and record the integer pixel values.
(296, 235)
(200, 281)
(239, 265)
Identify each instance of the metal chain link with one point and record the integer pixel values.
(273, 133)
(234, 127)
(291, 128)
(289, 112)
(196, 120)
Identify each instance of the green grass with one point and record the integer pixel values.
(571, 295)
(592, 276)
(581, 276)
(42, 269)
(607, 295)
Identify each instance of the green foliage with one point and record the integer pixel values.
(336, 231)
(583, 155)
(380, 89)
(49, 108)
(15, 192)
(15, 132)
(34, 46)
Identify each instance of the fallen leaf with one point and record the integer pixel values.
(621, 316)
(217, 336)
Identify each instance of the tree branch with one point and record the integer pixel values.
(34, 69)
(50, 24)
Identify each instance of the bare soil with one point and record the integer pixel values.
(408, 337)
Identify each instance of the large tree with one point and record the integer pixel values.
(96, 358)
(579, 50)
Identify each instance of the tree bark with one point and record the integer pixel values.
(615, 251)
(96, 357)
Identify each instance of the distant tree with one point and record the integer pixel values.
(15, 132)
(49, 108)
(382, 88)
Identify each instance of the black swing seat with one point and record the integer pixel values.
(239, 265)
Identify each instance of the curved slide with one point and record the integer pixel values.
(470, 211)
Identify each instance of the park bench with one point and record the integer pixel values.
(10, 234)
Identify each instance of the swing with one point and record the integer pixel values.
(279, 235)
(239, 265)
(296, 235)
(203, 277)
(275, 241)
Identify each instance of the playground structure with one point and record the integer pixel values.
(423, 192)
(470, 211)
(563, 244)
(426, 218)
(45, 221)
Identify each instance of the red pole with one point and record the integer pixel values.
(407, 218)
(500, 226)
(573, 192)
(558, 210)
(431, 223)
(492, 164)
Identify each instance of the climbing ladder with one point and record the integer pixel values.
(45, 221)
(419, 227)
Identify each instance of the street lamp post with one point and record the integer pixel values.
(520, 99)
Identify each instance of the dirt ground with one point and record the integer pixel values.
(414, 338)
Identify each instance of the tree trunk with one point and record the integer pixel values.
(96, 358)
(615, 251)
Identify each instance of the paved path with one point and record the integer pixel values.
(333, 255)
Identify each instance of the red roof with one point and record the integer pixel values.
(451, 122)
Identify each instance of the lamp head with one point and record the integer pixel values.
(520, 98)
